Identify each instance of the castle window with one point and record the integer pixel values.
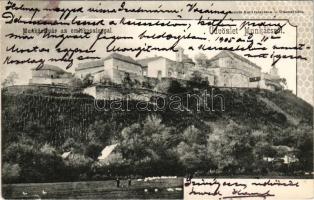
(225, 80)
(159, 74)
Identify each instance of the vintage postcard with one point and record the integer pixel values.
(157, 100)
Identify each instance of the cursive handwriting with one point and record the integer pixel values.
(241, 194)
(278, 183)
(237, 188)
(279, 26)
(138, 30)
(12, 6)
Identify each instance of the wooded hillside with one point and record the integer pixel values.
(256, 124)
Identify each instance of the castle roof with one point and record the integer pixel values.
(52, 68)
(188, 60)
(90, 64)
(144, 62)
(233, 55)
(100, 62)
(127, 59)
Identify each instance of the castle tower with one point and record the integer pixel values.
(274, 72)
(179, 54)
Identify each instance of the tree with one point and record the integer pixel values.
(76, 83)
(303, 137)
(87, 80)
(175, 87)
(71, 145)
(231, 148)
(126, 81)
(100, 132)
(197, 81)
(156, 130)
(201, 59)
(48, 149)
(147, 139)
(10, 79)
(148, 147)
(283, 82)
(10, 172)
(133, 144)
(93, 150)
(37, 165)
(193, 135)
(263, 146)
(79, 166)
(196, 77)
(192, 150)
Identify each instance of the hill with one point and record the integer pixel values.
(253, 125)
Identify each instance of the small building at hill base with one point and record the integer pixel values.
(50, 75)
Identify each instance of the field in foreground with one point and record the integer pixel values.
(96, 190)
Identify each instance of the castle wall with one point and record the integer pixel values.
(171, 71)
(50, 81)
(118, 70)
(40, 80)
(206, 74)
(127, 67)
(155, 66)
(99, 77)
(20, 89)
(82, 73)
(44, 73)
(210, 78)
(113, 93)
(235, 73)
(248, 69)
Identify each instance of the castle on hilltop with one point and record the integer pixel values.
(226, 69)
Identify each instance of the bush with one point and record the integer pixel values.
(10, 172)
(93, 150)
